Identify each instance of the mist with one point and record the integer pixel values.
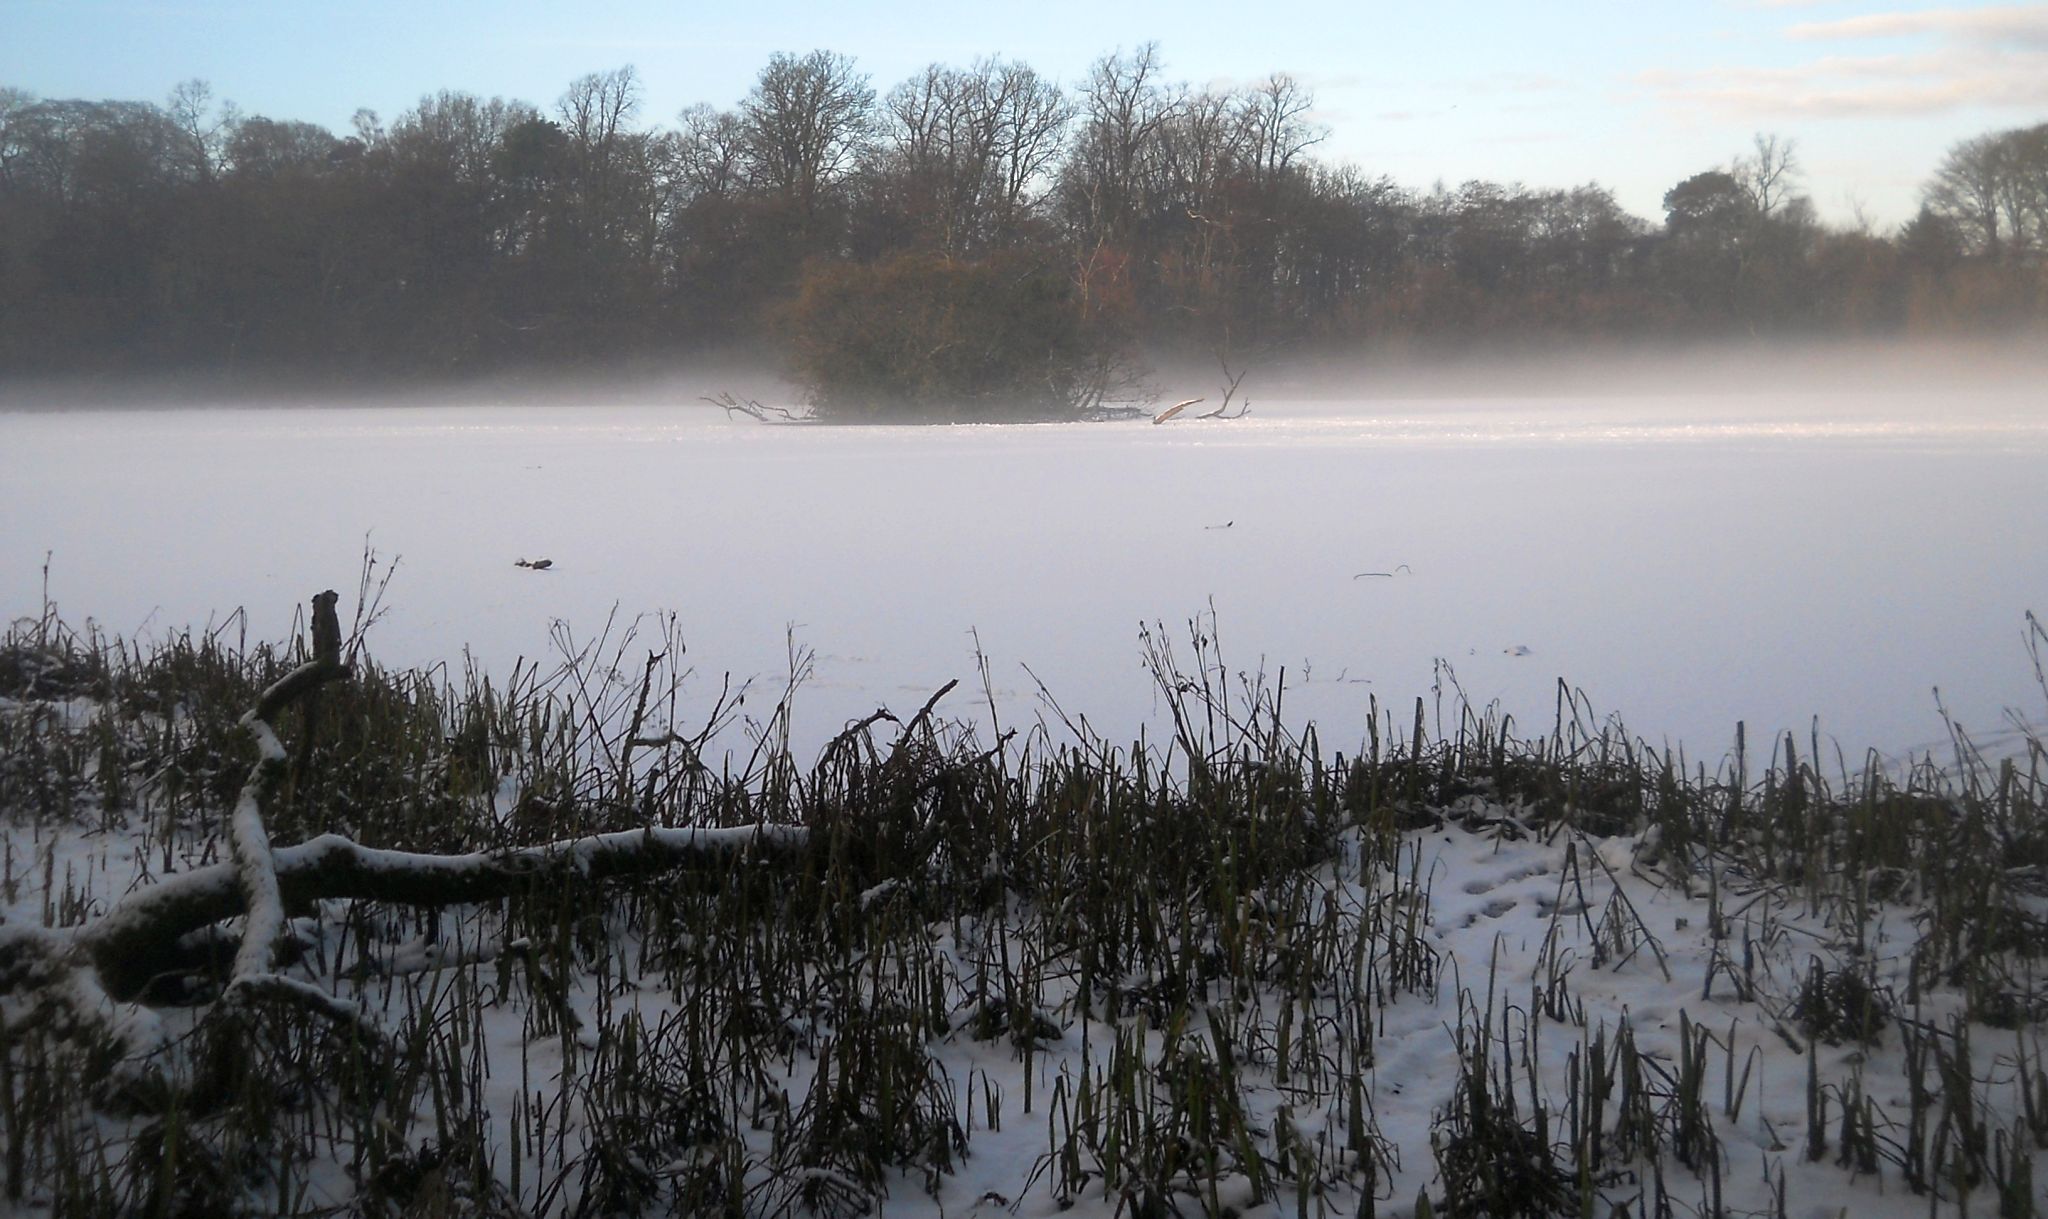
(1758, 533)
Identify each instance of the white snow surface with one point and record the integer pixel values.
(1689, 560)
(1506, 912)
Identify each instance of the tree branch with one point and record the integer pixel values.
(129, 942)
(247, 834)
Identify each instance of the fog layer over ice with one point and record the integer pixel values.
(1688, 560)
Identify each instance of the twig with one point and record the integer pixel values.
(1236, 379)
(757, 411)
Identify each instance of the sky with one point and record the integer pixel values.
(1635, 96)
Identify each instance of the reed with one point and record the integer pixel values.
(1179, 973)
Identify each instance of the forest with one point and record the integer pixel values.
(1124, 212)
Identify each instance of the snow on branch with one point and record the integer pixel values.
(255, 869)
(145, 925)
(120, 953)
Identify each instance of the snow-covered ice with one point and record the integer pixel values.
(1687, 560)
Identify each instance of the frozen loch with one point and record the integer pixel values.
(1686, 560)
(480, 970)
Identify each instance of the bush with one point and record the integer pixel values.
(925, 337)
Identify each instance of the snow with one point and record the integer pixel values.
(1688, 561)
(1503, 914)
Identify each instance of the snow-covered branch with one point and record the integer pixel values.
(126, 944)
(254, 867)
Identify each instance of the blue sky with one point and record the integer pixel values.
(1635, 96)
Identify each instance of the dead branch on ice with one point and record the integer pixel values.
(757, 411)
(1236, 379)
(1222, 410)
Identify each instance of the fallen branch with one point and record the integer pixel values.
(278, 990)
(255, 872)
(147, 934)
(42, 965)
(1222, 410)
(127, 943)
(1236, 379)
(757, 411)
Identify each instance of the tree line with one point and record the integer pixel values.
(468, 234)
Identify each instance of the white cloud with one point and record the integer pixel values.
(1993, 57)
(1772, 101)
(2023, 25)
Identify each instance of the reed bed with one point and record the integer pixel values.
(1445, 969)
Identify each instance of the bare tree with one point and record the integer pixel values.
(264, 147)
(596, 107)
(1769, 172)
(1198, 152)
(1123, 107)
(594, 113)
(1031, 115)
(711, 152)
(14, 105)
(967, 146)
(934, 164)
(458, 132)
(1276, 115)
(2022, 176)
(620, 179)
(1966, 191)
(366, 128)
(203, 132)
(805, 122)
(2032, 171)
(1200, 146)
